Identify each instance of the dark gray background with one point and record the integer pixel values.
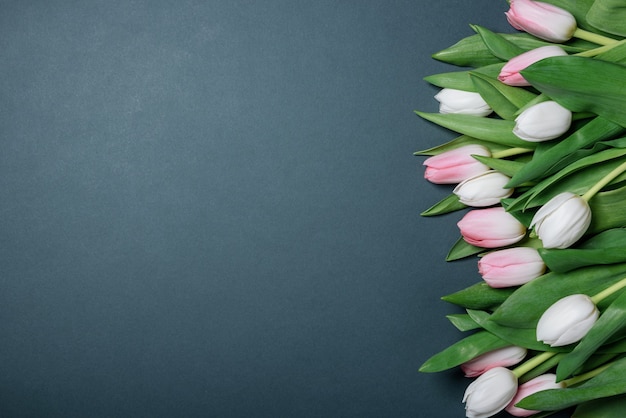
(211, 208)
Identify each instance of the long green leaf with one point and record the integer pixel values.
(448, 204)
(608, 247)
(462, 351)
(462, 322)
(479, 296)
(460, 141)
(608, 16)
(612, 407)
(608, 211)
(522, 337)
(498, 45)
(577, 177)
(460, 80)
(462, 249)
(526, 305)
(488, 129)
(506, 167)
(504, 100)
(612, 320)
(609, 383)
(547, 162)
(574, 82)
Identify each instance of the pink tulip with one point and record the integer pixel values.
(502, 357)
(510, 73)
(511, 266)
(456, 165)
(539, 383)
(491, 228)
(542, 20)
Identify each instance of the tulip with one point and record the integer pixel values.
(490, 393)
(539, 383)
(462, 102)
(502, 357)
(484, 189)
(491, 228)
(542, 20)
(567, 321)
(542, 122)
(562, 221)
(456, 165)
(511, 266)
(510, 73)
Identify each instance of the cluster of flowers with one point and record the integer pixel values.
(541, 165)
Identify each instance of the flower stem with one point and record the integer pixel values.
(604, 181)
(585, 376)
(593, 37)
(510, 152)
(609, 291)
(527, 366)
(596, 51)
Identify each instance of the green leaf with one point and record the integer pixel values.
(499, 46)
(612, 407)
(608, 247)
(612, 320)
(526, 305)
(446, 205)
(608, 210)
(609, 383)
(522, 337)
(488, 129)
(462, 351)
(506, 167)
(608, 16)
(462, 249)
(472, 51)
(577, 178)
(460, 80)
(574, 82)
(547, 161)
(458, 142)
(463, 322)
(504, 100)
(479, 296)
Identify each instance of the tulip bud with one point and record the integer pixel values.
(456, 165)
(539, 383)
(490, 393)
(542, 20)
(562, 221)
(542, 122)
(511, 266)
(462, 102)
(484, 189)
(567, 321)
(502, 357)
(510, 73)
(491, 228)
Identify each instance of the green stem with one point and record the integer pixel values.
(593, 37)
(600, 50)
(609, 291)
(604, 181)
(527, 366)
(510, 152)
(585, 376)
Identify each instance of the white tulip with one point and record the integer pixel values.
(462, 102)
(490, 393)
(542, 122)
(484, 189)
(567, 321)
(562, 221)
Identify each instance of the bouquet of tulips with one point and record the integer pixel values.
(539, 171)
